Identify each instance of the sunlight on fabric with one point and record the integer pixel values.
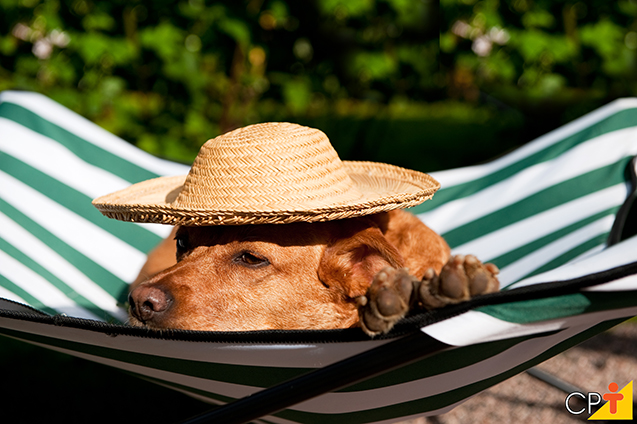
(523, 232)
(42, 254)
(40, 289)
(100, 246)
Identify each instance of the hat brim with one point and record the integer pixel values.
(382, 188)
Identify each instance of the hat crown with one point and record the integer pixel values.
(271, 166)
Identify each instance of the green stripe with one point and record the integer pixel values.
(24, 295)
(620, 120)
(258, 376)
(77, 202)
(542, 201)
(85, 150)
(529, 311)
(435, 402)
(247, 375)
(431, 403)
(55, 281)
(252, 376)
(434, 365)
(518, 312)
(404, 409)
(109, 282)
(571, 254)
(522, 251)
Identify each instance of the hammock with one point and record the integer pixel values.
(549, 214)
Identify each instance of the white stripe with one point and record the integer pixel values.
(97, 244)
(46, 155)
(291, 355)
(617, 255)
(594, 154)
(344, 402)
(594, 251)
(83, 128)
(474, 327)
(40, 288)
(523, 232)
(461, 175)
(546, 254)
(441, 383)
(628, 283)
(338, 403)
(42, 254)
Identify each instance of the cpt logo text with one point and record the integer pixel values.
(618, 406)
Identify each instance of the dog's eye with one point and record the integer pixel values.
(251, 260)
(182, 243)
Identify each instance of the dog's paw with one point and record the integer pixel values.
(460, 279)
(388, 299)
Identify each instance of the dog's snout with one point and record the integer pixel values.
(148, 302)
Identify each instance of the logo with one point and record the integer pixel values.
(618, 406)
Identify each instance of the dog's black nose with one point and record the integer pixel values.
(148, 302)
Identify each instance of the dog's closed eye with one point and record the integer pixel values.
(251, 260)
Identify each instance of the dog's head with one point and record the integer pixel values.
(265, 276)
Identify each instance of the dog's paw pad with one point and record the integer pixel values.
(461, 278)
(387, 300)
(453, 279)
(388, 303)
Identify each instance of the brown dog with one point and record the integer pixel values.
(274, 231)
(328, 275)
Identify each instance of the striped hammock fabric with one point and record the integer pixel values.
(549, 215)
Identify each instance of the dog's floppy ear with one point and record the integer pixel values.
(355, 256)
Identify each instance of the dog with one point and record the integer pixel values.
(274, 231)
(366, 272)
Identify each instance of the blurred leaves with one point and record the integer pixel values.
(169, 75)
(559, 55)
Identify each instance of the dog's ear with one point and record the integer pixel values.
(355, 256)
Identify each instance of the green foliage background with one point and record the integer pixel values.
(168, 75)
(380, 77)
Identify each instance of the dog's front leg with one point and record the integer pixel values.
(394, 292)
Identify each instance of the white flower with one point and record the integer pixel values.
(42, 45)
(22, 32)
(482, 46)
(461, 29)
(482, 42)
(42, 48)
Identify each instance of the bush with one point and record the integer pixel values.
(485, 75)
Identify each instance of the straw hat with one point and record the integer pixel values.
(271, 173)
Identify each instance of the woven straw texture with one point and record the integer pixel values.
(269, 173)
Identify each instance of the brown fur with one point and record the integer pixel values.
(313, 275)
